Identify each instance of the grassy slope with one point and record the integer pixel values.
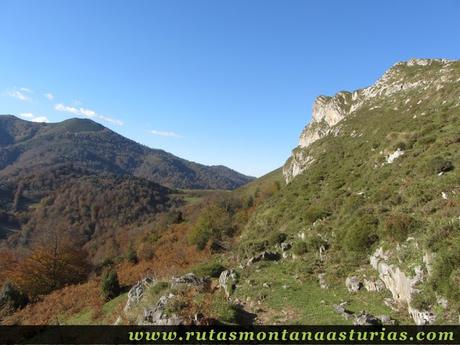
(349, 195)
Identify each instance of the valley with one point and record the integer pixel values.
(360, 226)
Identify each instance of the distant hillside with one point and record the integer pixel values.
(27, 147)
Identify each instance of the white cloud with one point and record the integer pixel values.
(33, 118)
(21, 93)
(165, 134)
(49, 95)
(40, 119)
(27, 115)
(111, 120)
(87, 113)
(67, 109)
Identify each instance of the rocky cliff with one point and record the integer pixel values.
(416, 78)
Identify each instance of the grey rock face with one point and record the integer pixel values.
(401, 286)
(328, 112)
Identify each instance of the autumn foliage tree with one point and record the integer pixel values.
(50, 267)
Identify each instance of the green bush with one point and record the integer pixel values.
(131, 256)
(159, 287)
(360, 235)
(110, 286)
(314, 242)
(200, 237)
(277, 238)
(446, 271)
(397, 226)
(299, 248)
(209, 269)
(437, 165)
(224, 311)
(213, 223)
(313, 213)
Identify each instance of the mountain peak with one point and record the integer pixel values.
(29, 146)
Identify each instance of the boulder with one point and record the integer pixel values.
(322, 281)
(157, 315)
(136, 293)
(340, 308)
(188, 279)
(285, 246)
(365, 319)
(353, 284)
(227, 281)
(373, 285)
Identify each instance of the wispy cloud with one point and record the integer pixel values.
(49, 95)
(165, 134)
(87, 113)
(22, 93)
(34, 118)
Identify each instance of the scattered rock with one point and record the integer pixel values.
(285, 246)
(365, 319)
(386, 320)
(227, 281)
(158, 316)
(136, 293)
(264, 256)
(392, 157)
(443, 302)
(322, 281)
(371, 285)
(353, 284)
(340, 308)
(188, 279)
(422, 317)
(390, 303)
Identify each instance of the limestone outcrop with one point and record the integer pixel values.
(328, 112)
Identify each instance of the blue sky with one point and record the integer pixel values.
(217, 82)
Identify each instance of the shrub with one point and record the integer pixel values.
(248, 202)
(110, 286)
(437, 165)
(314, 213)
(446, 274)
(11, 298)
(159, 287)
(209, 269)
(360, 235)
(213, 223)
(299, 248)
(277, 238)
(200, 237)
(50, 268)
(131, 256)
(224, 312)
(397, 226)
(314, 242)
